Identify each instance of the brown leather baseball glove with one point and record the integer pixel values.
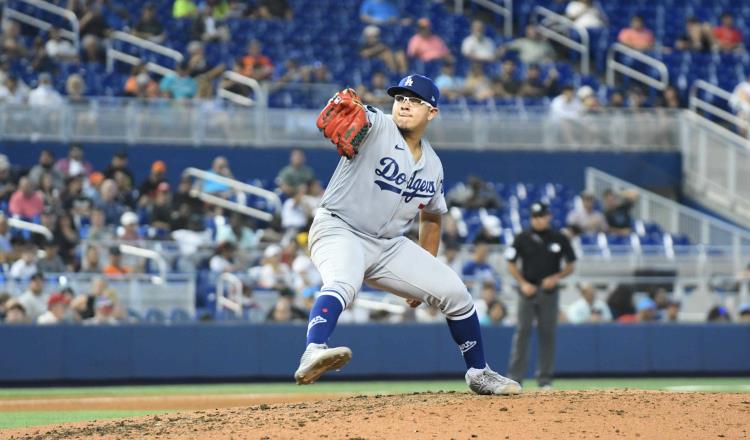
(344, 122)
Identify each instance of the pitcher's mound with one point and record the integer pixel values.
(611, 414)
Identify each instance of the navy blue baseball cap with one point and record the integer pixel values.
(420, 85)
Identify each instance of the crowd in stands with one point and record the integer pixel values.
(89, 212)
(483, 65)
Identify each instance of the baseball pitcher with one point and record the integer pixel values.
(387, 175)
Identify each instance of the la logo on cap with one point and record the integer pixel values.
(409, 82)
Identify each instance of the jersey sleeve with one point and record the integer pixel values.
(567, 249)
(437, 203)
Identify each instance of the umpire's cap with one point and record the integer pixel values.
(539, 209)
(420, 85)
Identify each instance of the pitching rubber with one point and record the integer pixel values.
(329, 359)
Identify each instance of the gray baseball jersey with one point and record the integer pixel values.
(381, 190)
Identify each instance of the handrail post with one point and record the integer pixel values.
(584, 47)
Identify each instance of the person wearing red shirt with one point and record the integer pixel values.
(26, 202)
(726, 36)
(255, 64)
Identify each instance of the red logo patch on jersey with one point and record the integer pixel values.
(325, 310)
(421, 205)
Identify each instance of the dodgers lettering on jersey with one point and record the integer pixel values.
(382, 189)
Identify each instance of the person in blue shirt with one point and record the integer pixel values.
(477, 271)
(378, 12)
(180, 85)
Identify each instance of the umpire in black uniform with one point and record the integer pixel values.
(540, 250)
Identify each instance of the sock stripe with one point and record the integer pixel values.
(336, 295)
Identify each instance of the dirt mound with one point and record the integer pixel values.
(578, 415)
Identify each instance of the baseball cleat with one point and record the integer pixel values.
(486, 381)
(317, 359)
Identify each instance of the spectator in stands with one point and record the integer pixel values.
(566, 105)
(161, 211)
(285, 311)
(8, 179)
(198, 64)
(46, 165)
(274, 274)
(147, 190)
(450, 85)
(745, 314)
(179, 85)
(255, 64)
(296, 174)
(273, 9)
(128, 230)
(487, 295)
(670, 99)
(25, 266)
(589, 103)
(450, 255)
(92, 51)
(376, 94)
(585, 218)
(585, 13)
(108, 202)
(373, 48)
(532, 49)
(207, 28)
(75, 201)
(224, 259)
(298, 210)
(149, 27)
(12, 92)
(59, 49)
(588, 308)
(718, 314)
(26, 201)
(139, 84)
(6, 248)
(74, 164)
(726, 36)
(12, 44)
(219, 166)
(51, 262)
(425, 46)
(534, 86)
(5, 299)
(75, 87)
(184, 9)
(672, 312)
(57, 310)
(90, 262)
(237, 233)
(637, 36)
(477, 85)
(114, 267)
(617, 209)
(616, 100)
(379, 12)
(91, 19)
(697, 37)
(33, 300)
(105, 312)
(15, 313)
(307, 279)
(645, 311)
(119, 163)
(477, 46)
(44, 95)
(507, 84)
(477, 270)
(496, 314)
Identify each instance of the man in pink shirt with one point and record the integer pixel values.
(636, 36)
(426, 46)
(26, 202)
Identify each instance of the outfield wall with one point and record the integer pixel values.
(656, 170)
(266, 352)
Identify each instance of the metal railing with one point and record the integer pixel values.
(228, 292)
(240, 188)
(675, 218)
(118, 55)
(551, 25)
(72, 34)
(237, 98)
(505, 10)
(31, 227)
(614, 66)
(162, 121)
(148, 254)
(716, 167)
(699, 105)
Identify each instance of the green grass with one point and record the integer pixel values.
(35, 418)
(23, 419)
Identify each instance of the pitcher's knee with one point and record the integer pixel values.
(342, 291)
(457, 304)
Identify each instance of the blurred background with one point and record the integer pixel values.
(160, 168)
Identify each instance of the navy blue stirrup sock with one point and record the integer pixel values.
(323, 317)
(467, 335)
